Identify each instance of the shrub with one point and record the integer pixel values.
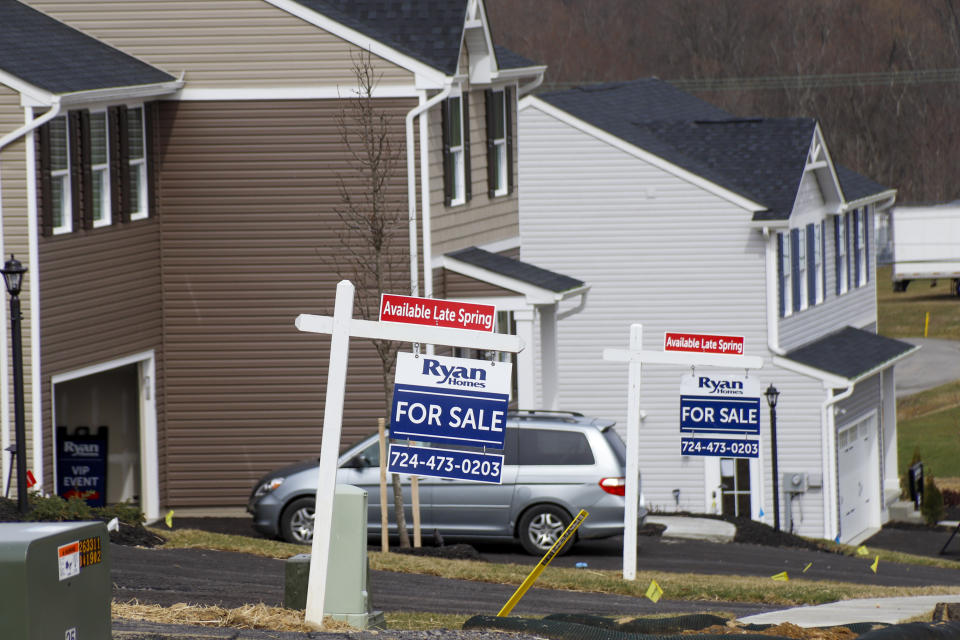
(56, 509)
(122, 511)
(932, 508)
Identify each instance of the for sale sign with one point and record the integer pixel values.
(450, 400)
(437, 313)
(719, 404)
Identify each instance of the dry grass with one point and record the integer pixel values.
(196, 539)
(904, 314)
(251, 616)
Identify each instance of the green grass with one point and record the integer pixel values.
(936, 436)
(903, 315)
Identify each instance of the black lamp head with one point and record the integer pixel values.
(13, 275)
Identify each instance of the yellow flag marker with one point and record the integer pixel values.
(862, 551)
(876, 562)
(654, 592)
(809, 564)
(169, 519)
(782, 576)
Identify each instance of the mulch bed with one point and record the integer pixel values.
(129, 535)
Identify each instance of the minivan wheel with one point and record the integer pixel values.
(296, 522)
(541, 526)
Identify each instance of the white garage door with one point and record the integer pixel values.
(857, 460)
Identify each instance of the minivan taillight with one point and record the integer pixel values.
(614, 486)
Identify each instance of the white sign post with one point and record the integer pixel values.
(636, 356)
(341, 327)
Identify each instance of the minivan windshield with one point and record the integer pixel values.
(616, 443)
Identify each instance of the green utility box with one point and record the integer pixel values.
(346, 597)
(55, 580)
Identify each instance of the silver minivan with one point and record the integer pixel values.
(555, 464)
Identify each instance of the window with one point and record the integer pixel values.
(815, 274)
(136, 139)
(499, 142)
(786, 285)
(100, 169)
(93, 168)
(860, 251)
(549, 447)
(456, 150)
(843, 264)
(59, 194)
(735, 487)
(800, 282)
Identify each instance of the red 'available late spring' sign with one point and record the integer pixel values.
(703, 343)
(437, 313)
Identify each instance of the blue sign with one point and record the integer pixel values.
(443, 463)
(82, 465)
(450, 400)
(719, 447)
(719, 404)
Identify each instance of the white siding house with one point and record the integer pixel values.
(683, 218)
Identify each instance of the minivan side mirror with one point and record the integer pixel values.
(359, 461)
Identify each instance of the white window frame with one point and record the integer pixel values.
(842, 252)
(802, 267)
(459, 195)
(138, 169)
(500, 144)
(100, 173)
(860, 219)
(786, 269)
(818, 262)
(62, 176)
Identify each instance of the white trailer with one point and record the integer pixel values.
(926, 244)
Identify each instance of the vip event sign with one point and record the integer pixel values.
(719, 404)
(438, 313)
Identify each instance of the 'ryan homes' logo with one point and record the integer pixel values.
(87, 450)
(720, 387)
(457, 376)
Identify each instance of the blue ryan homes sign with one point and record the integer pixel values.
(719, 404)
(450, 400)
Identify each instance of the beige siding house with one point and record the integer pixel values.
(172, 177)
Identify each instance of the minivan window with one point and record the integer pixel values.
(548, 447)
(616, 443)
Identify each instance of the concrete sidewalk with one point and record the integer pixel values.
(889, 610)
(689, 528)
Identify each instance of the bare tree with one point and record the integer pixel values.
(375, 256)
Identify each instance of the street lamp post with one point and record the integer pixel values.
(772, 395)
(13, 279)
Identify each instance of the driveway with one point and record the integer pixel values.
(936, 363)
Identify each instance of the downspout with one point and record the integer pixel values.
(412, 188)
(54, 111)
(829, 436)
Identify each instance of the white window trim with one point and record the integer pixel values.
(802, 267)
(786, 268)
(101, 171)
(842, 255)
(457, 153)
(139, 165)
(500, 144)
(63, 177)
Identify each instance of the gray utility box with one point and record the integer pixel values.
(55, 580)
(346, 597)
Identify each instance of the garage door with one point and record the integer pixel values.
(857, 461)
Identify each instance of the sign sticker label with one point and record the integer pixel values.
(719, 447)
(444, 463)
(437, 313)
(719, 404)
(703, 343)
(68, 558)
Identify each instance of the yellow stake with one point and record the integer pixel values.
(926, 324)
(547, 558)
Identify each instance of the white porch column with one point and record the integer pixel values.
(526, 396)
(548, 356)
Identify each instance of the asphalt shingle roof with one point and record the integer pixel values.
(517, 269)
(427, 30)
(850, 352)
(761, 159)
(50, 55)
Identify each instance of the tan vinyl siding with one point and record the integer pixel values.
(99, 300)
(13, 206)
(220, 43)
(251, 239)
(482, 220)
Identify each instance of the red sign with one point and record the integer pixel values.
(703, 343)
(437, 313)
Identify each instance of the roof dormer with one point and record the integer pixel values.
(478, 45)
